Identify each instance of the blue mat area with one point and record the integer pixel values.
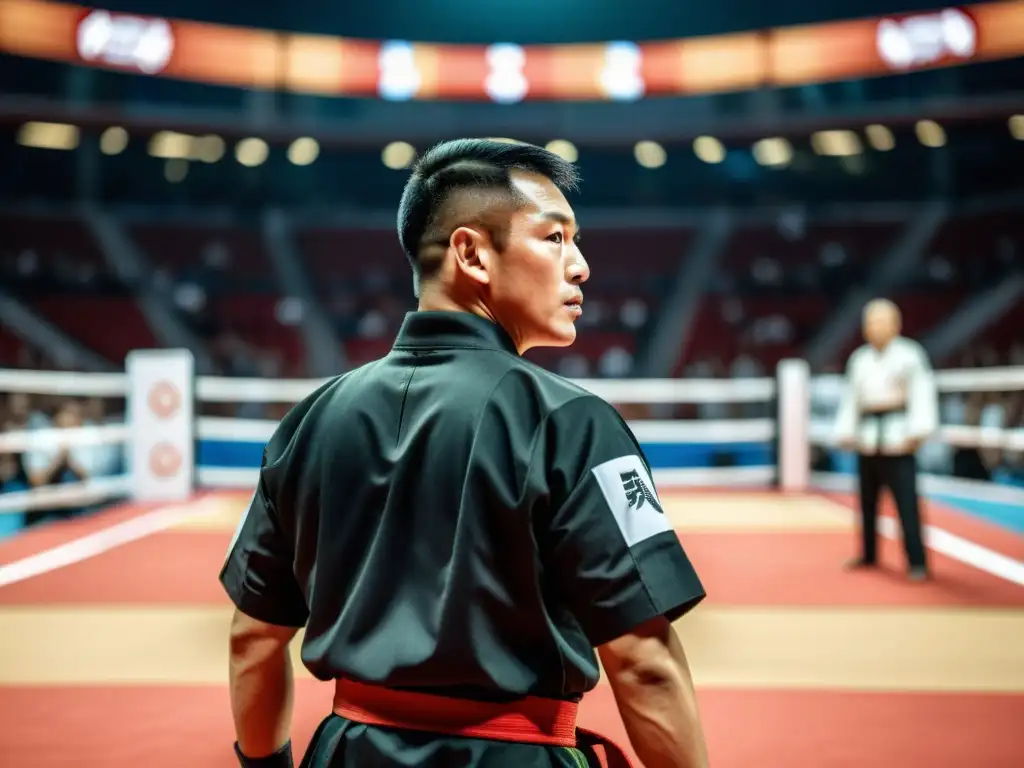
(229, 453)
(234, 454)
(1009, 516)
(11, 523)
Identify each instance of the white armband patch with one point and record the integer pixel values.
(630, 493)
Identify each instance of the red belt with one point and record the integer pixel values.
(530, 720)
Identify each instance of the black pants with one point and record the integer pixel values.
(899, 475)
(341, 743)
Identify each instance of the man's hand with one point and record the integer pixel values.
(847, 444)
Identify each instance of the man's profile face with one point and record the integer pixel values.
(534, 285)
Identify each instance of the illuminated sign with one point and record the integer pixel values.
(619, 70)
(129, 42)
(924, 40)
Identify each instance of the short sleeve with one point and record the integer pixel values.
(608, 542)
(258, 574)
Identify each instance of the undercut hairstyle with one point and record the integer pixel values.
(468, 181)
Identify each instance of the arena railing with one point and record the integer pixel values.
(172, 450)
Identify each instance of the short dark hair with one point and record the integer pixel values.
(478, 164)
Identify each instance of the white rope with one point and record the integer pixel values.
(680, 390)
(651, 431)
(730, 477)
(85, 493)
(1007, 379)
(821, 433)
(227, 477)
(228, 428)
(829, 388)
(25, 440)
(67, 383)
(254, 390)
(710, 431)
(218, 389)
(983, 437)
(221, 390)
(714, 477)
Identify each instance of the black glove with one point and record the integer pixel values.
(280, 759)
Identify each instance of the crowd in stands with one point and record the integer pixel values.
(46, 461)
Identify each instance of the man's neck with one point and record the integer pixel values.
(438, 301)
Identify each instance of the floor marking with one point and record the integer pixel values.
(957, 548)
(937, 539)
(93, 544)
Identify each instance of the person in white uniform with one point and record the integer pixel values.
(887, 411)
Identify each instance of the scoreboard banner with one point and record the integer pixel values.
(506, 72)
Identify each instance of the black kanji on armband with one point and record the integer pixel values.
(637, 492)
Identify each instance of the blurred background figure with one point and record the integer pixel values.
(888, 410)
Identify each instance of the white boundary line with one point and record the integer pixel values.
(968, 552)
(98, 542)
(950, 545)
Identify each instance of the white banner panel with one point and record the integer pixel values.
(161, 417)
(794, 416)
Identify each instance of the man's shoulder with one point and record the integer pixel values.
(551, 390)
(303, 412)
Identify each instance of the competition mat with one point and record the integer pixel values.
(113, 640)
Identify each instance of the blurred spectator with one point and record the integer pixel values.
(52, 462)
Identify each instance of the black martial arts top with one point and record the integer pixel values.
(453, 518)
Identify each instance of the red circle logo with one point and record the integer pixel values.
(164, 399)
(164, 460)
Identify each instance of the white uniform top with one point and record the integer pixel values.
(899, 376)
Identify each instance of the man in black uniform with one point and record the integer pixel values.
(458, 529)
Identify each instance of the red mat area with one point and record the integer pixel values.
(166, 568)
(798, 569)
(121, 727)
(806, 569)
(157, 727)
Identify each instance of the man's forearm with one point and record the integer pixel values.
(650, 678)
(261, 695)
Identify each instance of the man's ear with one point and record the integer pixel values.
(474, 253)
